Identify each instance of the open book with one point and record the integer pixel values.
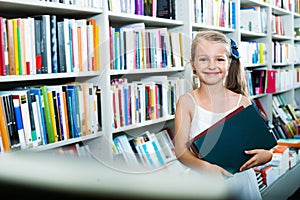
(224, 142)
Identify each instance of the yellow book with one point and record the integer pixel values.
(97, 47)
(52, 116)
(16, 47)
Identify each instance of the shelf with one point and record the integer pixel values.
(131, 128)
(284, 186)
(66, 142)
(149, 21)
(145, 71)
(19, 78)
(31, 7)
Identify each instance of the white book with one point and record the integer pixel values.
(90, 47)
(81, 23)
(123, 143)
(175, 43)
(67, 45)
(25, 117)
(35, 109)
(74, 40)
(166, 144)
(141, 112)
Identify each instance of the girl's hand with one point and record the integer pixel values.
(216, 170)
(260, 157)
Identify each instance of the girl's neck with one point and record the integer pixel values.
(212, 90)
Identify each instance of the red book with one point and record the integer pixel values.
(271, 81)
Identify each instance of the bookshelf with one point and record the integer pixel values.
(100, 144)
(23, 9)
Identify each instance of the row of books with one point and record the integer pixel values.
(153, 8)
(289, 5)
(261, 80)
(215, 13)
(278, 27)
(136, 47)
(39, 115)
(254, 19)
(85, 3)
(146, 151)
(150, 98)
(285, 120)
(283, 53)
(284, 158)
(48, 44)
(252, 52)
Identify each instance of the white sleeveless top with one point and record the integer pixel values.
(243, 185)
(203, 118)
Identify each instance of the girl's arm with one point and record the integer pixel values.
(182, 129)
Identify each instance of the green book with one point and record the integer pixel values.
(225, 142)
(47, 115)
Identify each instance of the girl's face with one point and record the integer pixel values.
(211, 62)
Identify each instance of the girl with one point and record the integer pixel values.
(215, 60)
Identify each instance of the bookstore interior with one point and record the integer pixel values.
(89, 91)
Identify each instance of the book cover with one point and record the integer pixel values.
(35, 111)
(38, 45)
(25, 117)
(53, 35)
(4, 128)
(11, 50)
(48, 119)
(224, 142)
(41, 112)
(19, 123)
(11, 122)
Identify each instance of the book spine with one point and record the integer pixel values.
(54, 56)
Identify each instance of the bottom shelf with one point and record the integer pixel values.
(284, 186)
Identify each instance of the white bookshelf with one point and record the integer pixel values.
(100, 143)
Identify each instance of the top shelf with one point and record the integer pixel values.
(150, 21)
(22, 8)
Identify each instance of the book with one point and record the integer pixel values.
(19, 123)
(11, 122)
(4, 129)
(289, 142)
(41, 112)
(225, 141)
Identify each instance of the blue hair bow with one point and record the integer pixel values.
(234, 49)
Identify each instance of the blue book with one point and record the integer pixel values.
(19, 122)
(72, 94)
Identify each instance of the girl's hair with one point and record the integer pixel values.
(235, 80)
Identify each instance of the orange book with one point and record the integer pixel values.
(66, 116)
(3, 129)
(79, 48)
(289, 142)
(97, 48)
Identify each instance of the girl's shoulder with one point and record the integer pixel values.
(187, 99)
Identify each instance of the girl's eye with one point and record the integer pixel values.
(203, 59)
(220, 60)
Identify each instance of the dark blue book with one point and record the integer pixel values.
(225, 142)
